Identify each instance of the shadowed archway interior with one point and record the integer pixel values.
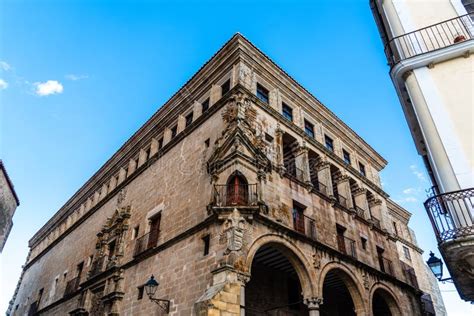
(337, 300)
(274, 288)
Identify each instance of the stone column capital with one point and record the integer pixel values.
(359, 191)
(313, 302)
(375, 202)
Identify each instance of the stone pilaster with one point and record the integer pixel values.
(344, 190)
(301, 161)
(279, 150)
(153, 147)
(324, 178)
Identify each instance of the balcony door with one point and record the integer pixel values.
(237, 190)
(341, 242)
(154, 231)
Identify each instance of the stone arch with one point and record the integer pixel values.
(351, 282)
(293, 254)
(388, 295)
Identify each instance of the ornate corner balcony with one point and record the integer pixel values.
(431, 38)
(451, 214)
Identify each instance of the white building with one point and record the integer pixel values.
(429, 47)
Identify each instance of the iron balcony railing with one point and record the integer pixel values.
(294, 172)
(72, 285)
(347, 246)
(451, 214)
(386, 265)
(376, 222)
(33, 310)
(342, 201)
(430, 38)
(304, 225)
(145, 242)
(359, 211)
(409, 274)
(427, 306)
(97, 266)
(235, 195)
(320, 187)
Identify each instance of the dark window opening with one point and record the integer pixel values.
(80, 267)
(225, 87)
(406, 252)
(140, 292)
(363, 242)
(147, 153)
(287, 112)
(205, 105)
(160, 143)
(309, 129)
(136, 230)
(189, 119)
(111, 247)
(174, 131)
(268, 138)
(262, 93)
(237, 190)
(329, 143)
(346, 156)
(206, 240)
(395, 229)
(207, 142)
(362, 169)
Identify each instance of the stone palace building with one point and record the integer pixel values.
(243, 194)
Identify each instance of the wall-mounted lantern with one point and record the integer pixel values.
(150, 289)
(436, 266)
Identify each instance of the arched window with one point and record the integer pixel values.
(237, 190)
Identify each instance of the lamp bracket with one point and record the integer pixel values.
(164, 304)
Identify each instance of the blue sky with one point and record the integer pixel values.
(78, 78)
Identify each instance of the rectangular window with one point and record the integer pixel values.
(329, 143)
(206, 241)
(268, 138)
(309, 129)
(174, 131)
(346, 156)
(362, 169)
(140, 292)
(225, 87)
(363, 242)
(395, 229)
(262, 93)
(135, 232)
(287, 112)
(189, 119)
(207, 142)
(298, 217)
(406, 252)
(205, 105)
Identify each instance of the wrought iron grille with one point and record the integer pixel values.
(430, 38)
(304, 225)
(145, 242)
(347, 246)
(451, 214)
(386, 265)
(235, 195)
(71, 286)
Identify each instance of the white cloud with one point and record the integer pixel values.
(408, 199)
(3, 84)
(5, 66)
(74, 77)
(420, 175)
(49, 87)
(410, 191)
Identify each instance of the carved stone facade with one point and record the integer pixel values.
(226, 214)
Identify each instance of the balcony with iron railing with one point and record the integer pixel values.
(145, 242)
(410, 275)
(304, 225)
(72, 285)
(451, 214)
(428, 39)
(386, 265)
(241, 195)
(347, 246)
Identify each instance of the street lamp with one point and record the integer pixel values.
(436, 266)
(150, 288)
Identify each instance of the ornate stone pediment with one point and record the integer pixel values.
(239, 140)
